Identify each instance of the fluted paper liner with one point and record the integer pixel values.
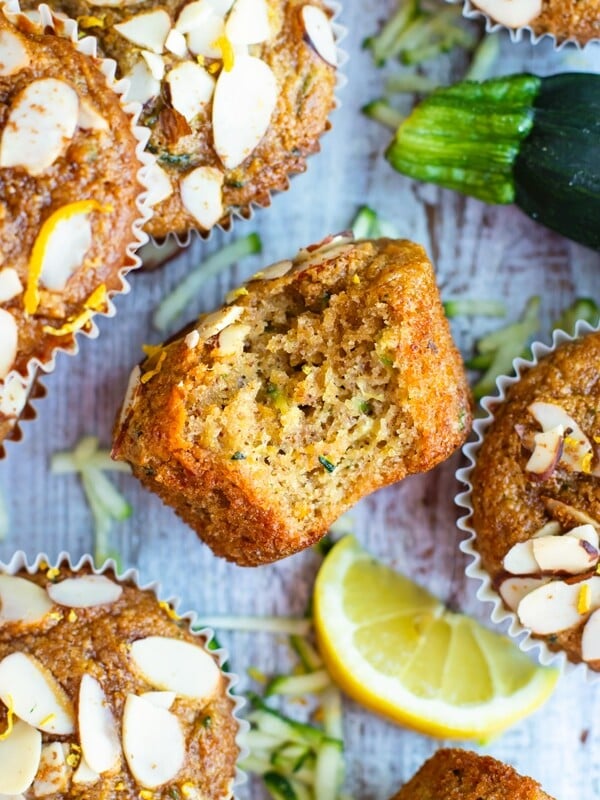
(131, 576)
(67, 28)
(471, 11)
(486, 592)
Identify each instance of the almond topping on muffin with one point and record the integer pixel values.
(512, 13)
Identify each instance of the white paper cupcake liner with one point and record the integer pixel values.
(67, 28)
(471, 11)
(486, 592)
(131, 576)
(246, 213)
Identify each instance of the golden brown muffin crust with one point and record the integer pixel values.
(94, 641)
(569, 19)
(348, 381)
(464, 775)
(306, 97)
(508, 507)
(98, 165)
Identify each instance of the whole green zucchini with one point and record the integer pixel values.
(519, 139)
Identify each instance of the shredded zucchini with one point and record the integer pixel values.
(381, 111)
(368, 225)
(289, 625)
(106, 503)
(504, 345)
(474, 308)
(175, 303)
(583, 308)
(484, 59)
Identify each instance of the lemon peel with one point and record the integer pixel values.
(395, 649)
(95, 302)
(31, 298)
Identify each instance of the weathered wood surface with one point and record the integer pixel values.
(479, 252)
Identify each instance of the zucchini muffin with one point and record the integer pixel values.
(464, 775)
(536, 499)
(235, 93)
(105, 693)
(576, 20)
(69, 193)
(325, 377)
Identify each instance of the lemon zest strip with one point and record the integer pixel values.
(93, 303)
(9, 719)
(584, 599)
(31, 298)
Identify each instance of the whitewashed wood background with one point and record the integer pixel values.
(479, 252)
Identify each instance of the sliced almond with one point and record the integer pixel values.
(551, 528)
(10, 284)
(216, 321)
(85, 592)
(232, 339)
(175, 43)
(553, 607)
(568, 516)
(564, 554)
(513, 590)
(512, 13)
(320, 33)
(160, 699)
(153, 742)
(220, 7)
(90, 119)
(14, 395)
(322, 255)
(9, 339)
(40, 125)
(520, 559)
(576, 445)
(97, 728)
(277, 270)
(177, 666)
(248, 22)
(201, 195)
(19, 758)
(84, 773)
(159, 183)
(115, 3)
(156, 64)
(148, 30)
(244, 101)
(191, 88)
(590, 640)
(133, 386)
(194, 15)
(22, 600)
(201, 39)
(65, 250)
(547, 451)
(35, 694)
(142, 86)
(53, 772)
(587, 533)
(13, 54)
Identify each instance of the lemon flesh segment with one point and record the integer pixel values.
(396, 649)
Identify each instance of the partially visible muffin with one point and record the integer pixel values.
(69, 193)
(236, 94)
(577, 20)
(464, 775)
(105, 693)
(536, 499)
(326, 377)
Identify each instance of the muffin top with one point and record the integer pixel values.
(105, 693)
(564, 19)
(536, 499)
(235, 92)
(68, 196)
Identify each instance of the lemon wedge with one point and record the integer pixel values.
(397, 650)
